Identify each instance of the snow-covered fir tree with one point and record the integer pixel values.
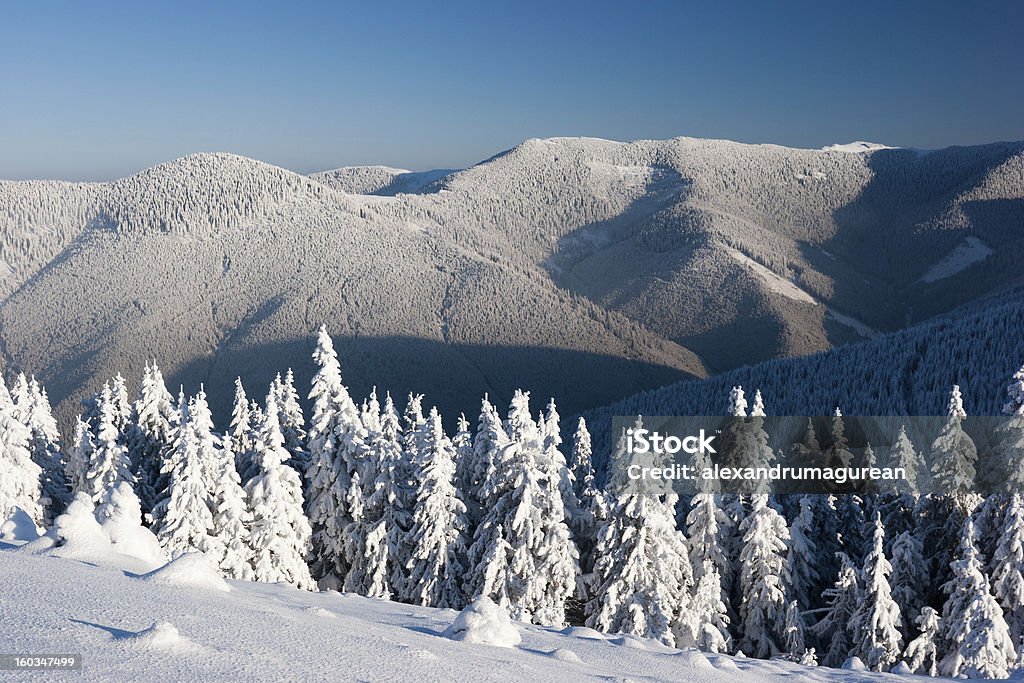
(978, 640)
(109, 464)
(903, 454)
(953, 453)
(876, 638)
(184, 518)
(1008, 570)
(704, 527)
(19, 475)
(231, 514)
(764, 580)
(1009, 435)
(843, 599)
(642, 571)
(704, 622)
(280, 534)
(292, 421)
(922, 653)
(438, 554)
(802, 559)
(525, 516)
(149, 437)
(32, 408)
(337, 445)
(908, 578)
(239, 437)
(79, 456)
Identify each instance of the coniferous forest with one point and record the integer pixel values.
(378, 499)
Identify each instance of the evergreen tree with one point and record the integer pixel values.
(922, 654)
(149, 437)
(843, 600)
(954, 453)
(438, 545)
(803, 557)
(109, 465)
(239, 437)
(704, 526)
(337, 444)
(908, 578)
(292, 421)
(1009, 434)
(1008, 572)
(280, 534)
(704, 623)
(33, 410)
(903, 454)
(980, 645)
(184, 520)
(877, 639)
(763, 580)
(82, 447)
(19, 475)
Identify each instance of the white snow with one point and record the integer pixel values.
(856, 147)
(191, 570)
(776, 283)
(966, 254)
(127, 629)
(19, 527)
(485, 623)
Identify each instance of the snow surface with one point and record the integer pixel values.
(966, 254)
(129, 628)
(485, 623)
(856, 147)
(775, 283)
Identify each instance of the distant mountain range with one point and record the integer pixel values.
(584, 269)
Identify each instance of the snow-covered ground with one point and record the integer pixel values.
(967, 253)
(128, 626)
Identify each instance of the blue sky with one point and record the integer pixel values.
(95, 92)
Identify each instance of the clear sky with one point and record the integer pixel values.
(96, 90)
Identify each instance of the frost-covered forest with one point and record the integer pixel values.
(371, 498)
(584, 268)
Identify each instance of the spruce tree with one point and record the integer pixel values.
(764, 580)
(843, 599)
(922, 653)
(239, 437)
(34, 411)
(908, 578)
(19, 475)
(877, 639)
(954, 453)
(149, 437)
(280, 533)
(904, 455)
(109, 464)
(436, 562)
(1008, 571)
(979, 641)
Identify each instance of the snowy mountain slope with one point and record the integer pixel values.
(582, 268)
(909, 372)
(275, 632)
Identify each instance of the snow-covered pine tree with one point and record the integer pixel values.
(852, 524)
(367, 541)
(239, 436)
(803, 560)
(280, 533)
(292, 422)
(979, 641)
(122, 405)
(704, 527)
(436, 563)
(954, 453)
(1009, 447)
(337, 444)
(1008, 570)
(838, 452)
(402, 493)
(922, 653)
(843, 599)
(149, 437)
(908, 578)
(82, 447)
(109, 465)
(764, 580)
(183, 519)
(479, 467)
(903, 454)
(704, 623)
(231, 514)
(19, 475)
(642, 570)
(34, 411)
(876, 638)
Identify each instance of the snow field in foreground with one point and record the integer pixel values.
(128, 627)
